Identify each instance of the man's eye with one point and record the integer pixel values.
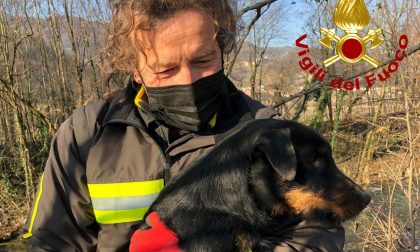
(166, 71)
(202, 62)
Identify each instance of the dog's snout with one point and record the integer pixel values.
(366, 198)
(362, 196)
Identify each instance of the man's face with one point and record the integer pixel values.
(182, 50)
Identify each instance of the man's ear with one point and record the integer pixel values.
(135, 73)
(277, 147)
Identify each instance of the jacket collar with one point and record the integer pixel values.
(121, 107)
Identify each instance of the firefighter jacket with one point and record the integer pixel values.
(107, 164)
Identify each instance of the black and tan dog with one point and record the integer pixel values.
(231, 198)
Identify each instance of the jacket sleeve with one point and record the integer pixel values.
(308, 238)
(61, 218)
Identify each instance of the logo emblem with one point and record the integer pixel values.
(351, 16)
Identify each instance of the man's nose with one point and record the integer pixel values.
(188, 75)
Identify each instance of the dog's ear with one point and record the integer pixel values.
(277, 147)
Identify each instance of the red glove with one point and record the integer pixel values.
(157, 239)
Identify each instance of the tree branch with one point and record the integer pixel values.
(257, 6)
(27, 104)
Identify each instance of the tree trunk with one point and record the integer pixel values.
(24, 157)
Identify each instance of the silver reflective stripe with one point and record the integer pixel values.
(123, 203)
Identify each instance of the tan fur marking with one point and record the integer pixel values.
(345, 207)
(243, 242)
(278, 209)
(340, 211)
(303, 202)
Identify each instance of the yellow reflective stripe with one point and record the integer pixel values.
(113, 204)
(212, 122)
(125, 189)
(38, 198)
(27, 235)
(120, 216)
(139, 95)
(123, 203)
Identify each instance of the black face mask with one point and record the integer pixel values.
(191, 106)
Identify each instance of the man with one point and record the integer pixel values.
(110, 159)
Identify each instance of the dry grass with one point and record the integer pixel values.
(387, 224)
(13, 213)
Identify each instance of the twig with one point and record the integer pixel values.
(257, 6)
(17, 98)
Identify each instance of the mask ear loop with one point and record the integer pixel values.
(140, 93)
(223, 62)
(219, 38)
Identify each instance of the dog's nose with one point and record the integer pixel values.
(366, 198)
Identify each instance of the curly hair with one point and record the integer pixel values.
(119, 52)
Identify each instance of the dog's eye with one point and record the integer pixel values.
(311, 159)
(315, 160)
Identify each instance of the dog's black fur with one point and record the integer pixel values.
(234, 196)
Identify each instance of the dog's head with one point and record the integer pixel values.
(292, 170)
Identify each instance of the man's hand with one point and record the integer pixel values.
(157, 238)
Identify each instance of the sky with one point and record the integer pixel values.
(293, 25)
